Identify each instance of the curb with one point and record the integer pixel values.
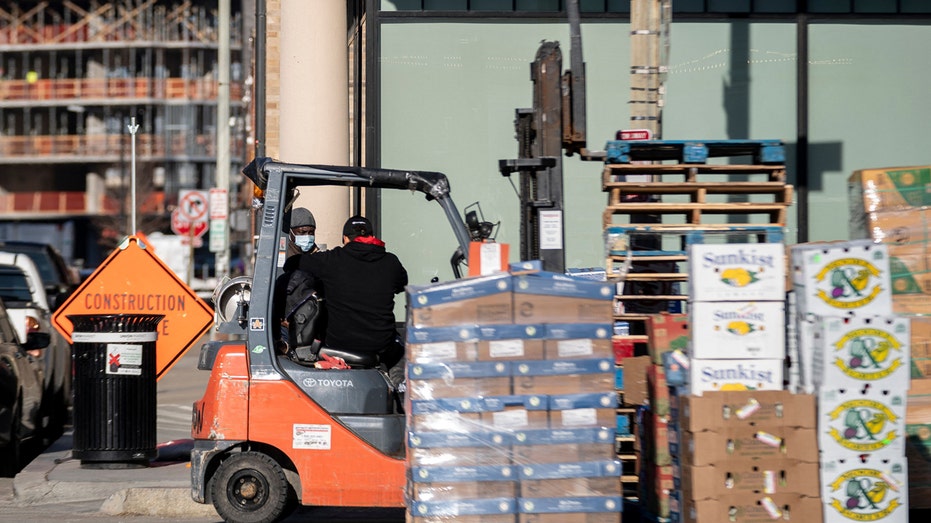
(162, 502)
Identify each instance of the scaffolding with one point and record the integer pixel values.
(73, 73)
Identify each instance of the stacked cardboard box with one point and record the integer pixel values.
(737, 316)
(511, 401)
(744, 456)
(892, 205)
(860, 373)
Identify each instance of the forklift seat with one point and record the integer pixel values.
(356, 360)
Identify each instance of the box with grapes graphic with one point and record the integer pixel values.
(737, 272)
(870, 353)
(854, 421)
(835, 278)
(869, 487)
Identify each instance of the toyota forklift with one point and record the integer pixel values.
(272, 432)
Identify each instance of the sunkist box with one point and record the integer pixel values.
(737, 330)
(853, 421)
(833, 278)
(737, 374)
(855, 351)
(871, 487)
(737, 272)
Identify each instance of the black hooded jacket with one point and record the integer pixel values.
(358, 282)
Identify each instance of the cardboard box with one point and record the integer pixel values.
(461, 490)
(469, 301)
(424, 389)
(667, 332)
(920, 327)
(658, 390)
(749, 477)
(545, 297)
(889, 188)
(570, 505)
(745, 374)
(726, 444)
(636, 390)
(484, 518)
(873, 488)
(577, 517)
(564, 384)
(653, 436)
(583, 410)
(577, 341)
(435, 344)
(540, 453)
(540, 479)
(858, 421)
(834, 278)
(603, 486)
(515, 412)
(764, 409)
(855, 351)
(445, 422)
(741, 508)
(737, 272)
(454, 456)
(510, 342)
(655, 488)
(738, 330)
(484, 507)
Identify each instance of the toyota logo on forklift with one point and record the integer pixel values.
(337, 383)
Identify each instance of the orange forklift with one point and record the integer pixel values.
(271, 432)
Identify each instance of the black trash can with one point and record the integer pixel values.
(115, 404)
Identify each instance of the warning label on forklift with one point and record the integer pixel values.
(311, 437)
(124, 358)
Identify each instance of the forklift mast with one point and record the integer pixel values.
(555, 123)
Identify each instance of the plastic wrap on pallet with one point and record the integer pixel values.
(497, 431)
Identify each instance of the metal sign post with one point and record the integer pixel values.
(133, 127)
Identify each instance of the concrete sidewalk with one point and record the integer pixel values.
(161, 489)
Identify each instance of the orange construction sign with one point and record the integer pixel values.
(133, 280)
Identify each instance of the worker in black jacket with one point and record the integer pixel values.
(358, 282)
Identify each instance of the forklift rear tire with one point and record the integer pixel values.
(250, 487)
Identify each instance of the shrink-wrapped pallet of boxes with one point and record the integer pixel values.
(859, 353)
(512, 419)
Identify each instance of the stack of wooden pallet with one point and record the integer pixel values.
(664, 196)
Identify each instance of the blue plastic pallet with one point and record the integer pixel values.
(694, 151)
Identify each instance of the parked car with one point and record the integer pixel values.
(28, 309)
(21, 384)
(59, 279)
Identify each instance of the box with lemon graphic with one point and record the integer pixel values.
(737, 272)
(738, 330)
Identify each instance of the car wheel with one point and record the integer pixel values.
(250, 487)
(11, 454)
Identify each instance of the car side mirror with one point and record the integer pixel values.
(37, 340)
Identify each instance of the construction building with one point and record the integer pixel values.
(74, 77)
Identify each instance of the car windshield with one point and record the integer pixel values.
(14, 286)
(39, 256)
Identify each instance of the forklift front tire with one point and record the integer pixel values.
(250, 487)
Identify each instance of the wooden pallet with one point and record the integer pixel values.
(693, 173)
(701, 213)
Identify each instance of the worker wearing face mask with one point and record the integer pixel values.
(296, 303)
(303, 226)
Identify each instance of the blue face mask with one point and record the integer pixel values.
(304, 241)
